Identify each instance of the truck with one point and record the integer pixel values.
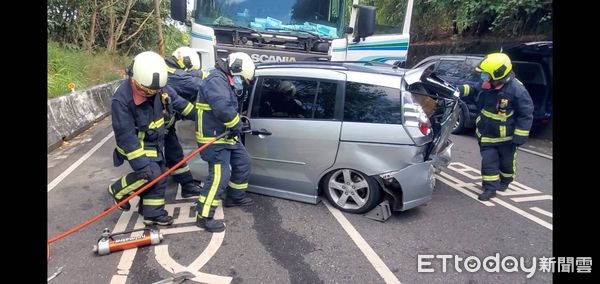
(290, 31)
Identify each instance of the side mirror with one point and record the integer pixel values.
(365, 22)
(179, 10)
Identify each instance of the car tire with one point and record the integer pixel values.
(358, 195)
(459, 125)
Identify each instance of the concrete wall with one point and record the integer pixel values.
(71, 114)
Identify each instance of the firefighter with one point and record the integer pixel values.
(186, 84)
(138, 107)
(217, 108)
(504, 120)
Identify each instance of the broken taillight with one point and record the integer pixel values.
(424, 124)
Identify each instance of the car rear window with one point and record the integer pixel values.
(372, 103)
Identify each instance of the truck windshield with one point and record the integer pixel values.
(321, 17)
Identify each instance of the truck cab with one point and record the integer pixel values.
(290, 31)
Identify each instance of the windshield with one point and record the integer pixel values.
(321, 17)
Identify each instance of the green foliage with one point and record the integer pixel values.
(82, 68)
(435, 19)
(70, 22)
(175, 38)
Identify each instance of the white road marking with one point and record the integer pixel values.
(162, 252)
(387, 275)
(535, 153)
(541, 211)
(127, 257)
(180, 230)
(184, 213)
(464, 170)
(466, 192)
(167, 262)
(523, 213)
(118, 279)
(77, 163)
(515, 188)
(532, 198)
(455, 180)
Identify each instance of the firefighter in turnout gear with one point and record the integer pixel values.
(138, 110)
(217, 108)
(186, 84)
(504, 120)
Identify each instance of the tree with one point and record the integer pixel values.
(161, 46)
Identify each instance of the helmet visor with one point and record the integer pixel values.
(146, 90)
(485, 76)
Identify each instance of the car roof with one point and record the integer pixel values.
(460, 56)
(356, 66)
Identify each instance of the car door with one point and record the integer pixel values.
(296, 121)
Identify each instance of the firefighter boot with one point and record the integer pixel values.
(245, 201)
(503, 187)
(125, 206)
(486, 195)
(163, 220)
(210, 224)
(190, 189)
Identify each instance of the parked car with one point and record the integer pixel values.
(355, 133)
(532, 63)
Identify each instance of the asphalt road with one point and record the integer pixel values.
(280, 241)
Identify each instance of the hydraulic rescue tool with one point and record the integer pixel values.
(108, 244)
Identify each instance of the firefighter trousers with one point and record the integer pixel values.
(498, 165)
(152, 199)
(221, 179)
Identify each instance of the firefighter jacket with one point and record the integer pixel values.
(505, 115)
(217, 107)
(139, 129)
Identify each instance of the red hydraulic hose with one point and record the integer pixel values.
(148, 185)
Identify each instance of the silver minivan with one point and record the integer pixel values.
(357, 133)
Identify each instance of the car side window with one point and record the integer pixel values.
(324, 107)
(450, 69)
(294, 98)
(371, 103)
(470, 74)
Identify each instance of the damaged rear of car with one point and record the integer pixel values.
(357, 133)
(428, 106)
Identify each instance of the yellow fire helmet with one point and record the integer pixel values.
(497, 65)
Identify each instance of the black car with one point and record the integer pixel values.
(532, 64)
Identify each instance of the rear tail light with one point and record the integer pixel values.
(414, 116)
(424, 127)
(424, 124)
